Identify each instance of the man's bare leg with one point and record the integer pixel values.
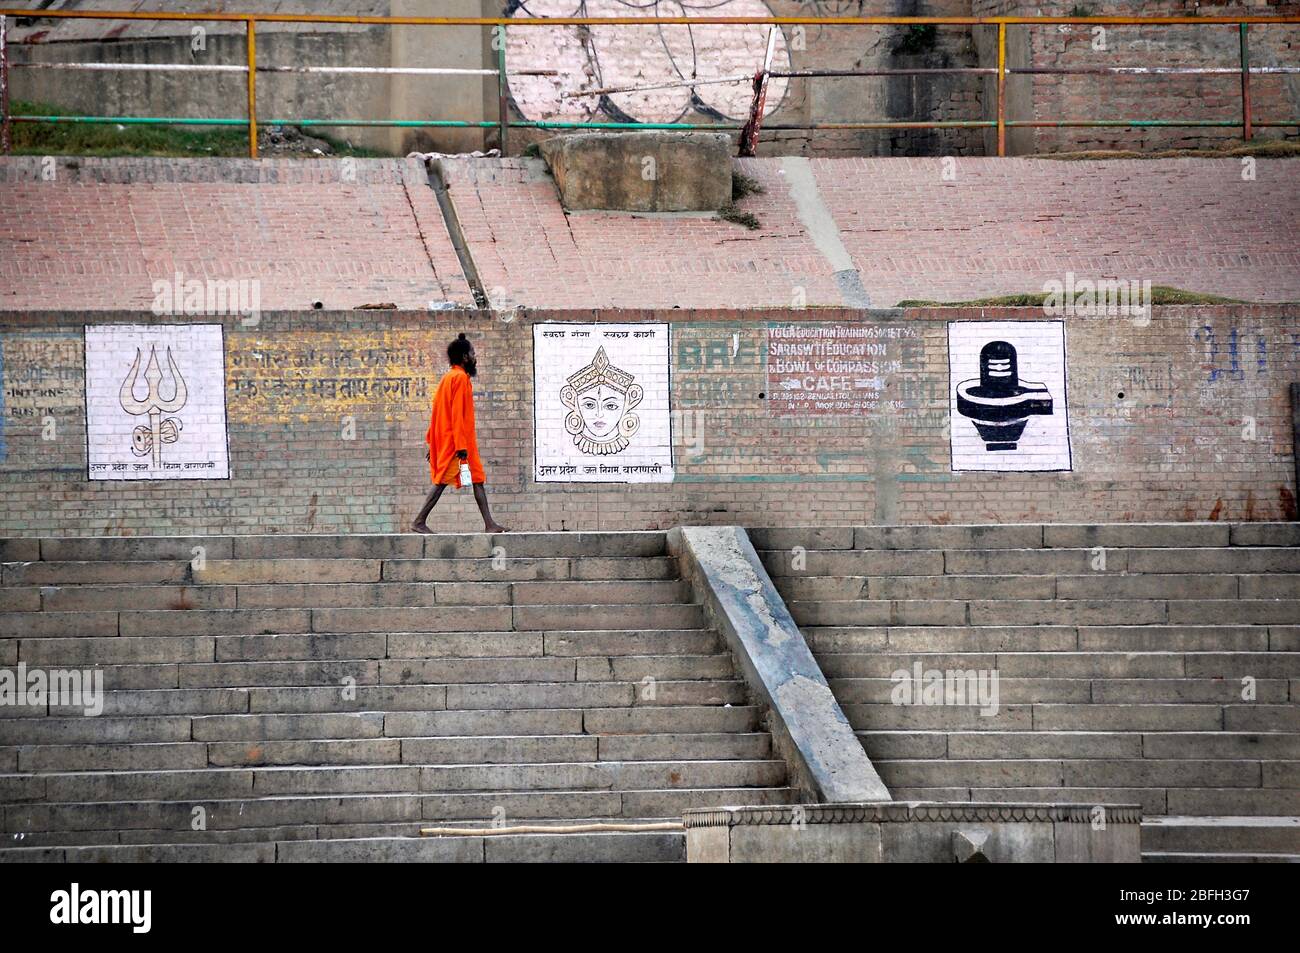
(489, 524)
(420, 526)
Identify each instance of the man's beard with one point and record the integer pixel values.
(471, 367)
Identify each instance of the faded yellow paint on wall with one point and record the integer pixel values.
(304, 375)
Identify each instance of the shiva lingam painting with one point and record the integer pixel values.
(1002, 420)
(601, 403)
(155, 402)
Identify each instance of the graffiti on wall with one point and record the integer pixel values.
(817, 370)
(284, 377)
(601, 409)
(594, 66)
(1007, 395)
(156, 402)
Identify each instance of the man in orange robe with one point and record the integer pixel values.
(453, 446)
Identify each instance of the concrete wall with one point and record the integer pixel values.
(1187, 417)
(280, 95)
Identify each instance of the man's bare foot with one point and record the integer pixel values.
(421, 528)
(495, 528)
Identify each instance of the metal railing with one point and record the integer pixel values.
(1248, 123)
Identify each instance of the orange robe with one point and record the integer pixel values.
(451, 428)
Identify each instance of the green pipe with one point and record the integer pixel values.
(462, 124)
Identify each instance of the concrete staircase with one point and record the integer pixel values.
(323, 697)
(1119, 680)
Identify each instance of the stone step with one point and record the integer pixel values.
(210, 623)
(1090, 772)
(600, 847)
(1076, 745)
(1252, 835)
(1007, 612)
(1066, 665)
(252, 571)
(1158, 857)
(1027, 535)
(250, 814)
(827, 640)
(1154, 801)
(1083, 717)
(226, 783)
(1012, 690)
(324, 547)
(1098, 585)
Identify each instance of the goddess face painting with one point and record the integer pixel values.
(600, 398)
(601, 409)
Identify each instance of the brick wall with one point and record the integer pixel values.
(1169, 97)
(1185, 418)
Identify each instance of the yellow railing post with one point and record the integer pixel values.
(1002, 89)
(252, 88)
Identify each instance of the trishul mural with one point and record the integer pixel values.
(149, 440)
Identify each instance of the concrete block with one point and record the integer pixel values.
(691, 170)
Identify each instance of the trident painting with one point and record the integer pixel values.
(156, 402)
(600, 403)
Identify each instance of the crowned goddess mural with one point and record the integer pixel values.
(600, 399)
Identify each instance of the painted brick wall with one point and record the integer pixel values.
(1184, 418)
(1170, 97)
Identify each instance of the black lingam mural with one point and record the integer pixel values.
(999, 404)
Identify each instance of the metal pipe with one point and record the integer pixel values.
(815, 73)
(791, 74)
(644, 21)
(722, 127)
(5, 143)
(236, 68)
(252, 89)
(673, 85)
(503, 96)
(1002, 89)
(1246, 132)
(1148, 70)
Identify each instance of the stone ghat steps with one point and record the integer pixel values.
(1152, 664)
(318, 688)
(260, 817)
(602, 847)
